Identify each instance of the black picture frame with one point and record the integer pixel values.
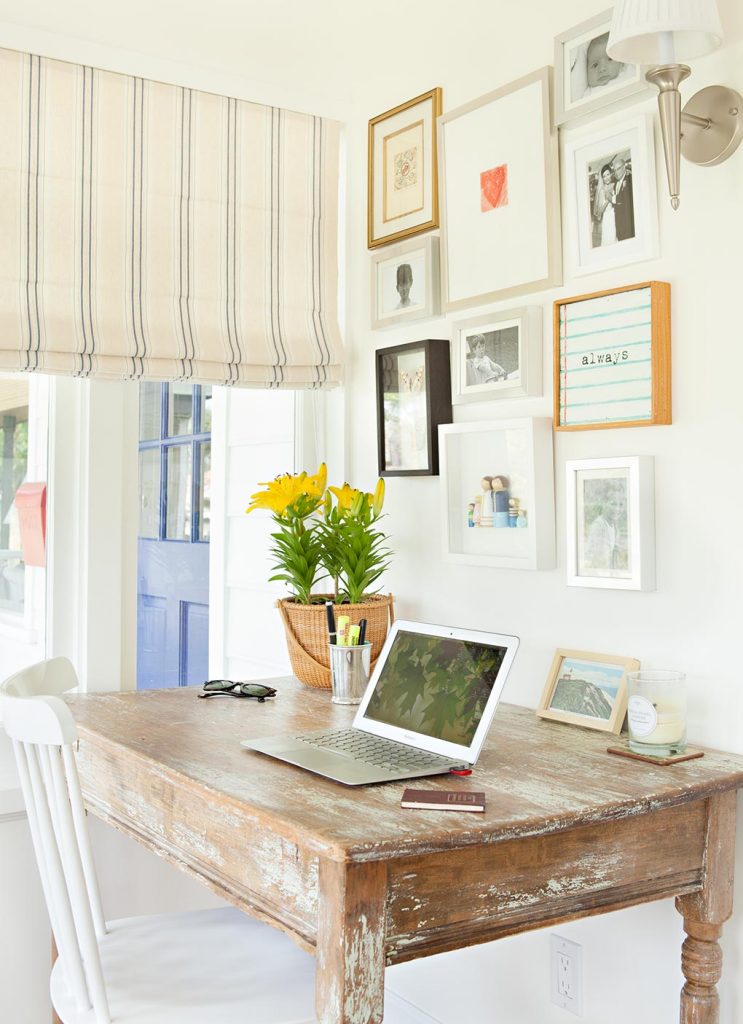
(428, 385)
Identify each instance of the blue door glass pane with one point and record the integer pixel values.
(149, 492)
(204, 454)
(178, 493)
(150, 406)
(180, 410)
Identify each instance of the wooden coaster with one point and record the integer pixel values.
(689, 755)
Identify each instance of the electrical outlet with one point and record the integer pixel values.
(566, 974)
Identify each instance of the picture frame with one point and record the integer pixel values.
(498, 355)
(586, 79)
(515, 525)
(587, 689)
(610, 194)
(402, 188)
(612, 358)
(413, 399)
(500, 203)
(405, 282)
(610, 522)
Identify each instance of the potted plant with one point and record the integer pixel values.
(326, 533)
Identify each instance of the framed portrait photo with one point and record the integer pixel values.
(610, 515)
(498, 355)
(587, 689)
(587, 79)
(405, 282)
(403, 170)
(413, 398)
(611, 212)
(500, 208)
(612, 358)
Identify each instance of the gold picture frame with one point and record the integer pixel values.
(403, 189)
(600, 686)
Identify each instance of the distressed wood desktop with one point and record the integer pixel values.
(569, 831)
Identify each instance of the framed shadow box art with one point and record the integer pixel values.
(587, 689)
(405, 282)
(497, 493)
(612, 358)
(413, 398)
(498, 355)
(403, 170)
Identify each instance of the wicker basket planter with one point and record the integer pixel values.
(306, 627)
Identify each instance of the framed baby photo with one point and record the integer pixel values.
(610, 515)
(498, 355)
(587, 689)
(413, 398)
(402, 198)
(586, 78)
(610, 199)
(405, 282)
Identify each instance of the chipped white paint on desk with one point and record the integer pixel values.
(569, 831)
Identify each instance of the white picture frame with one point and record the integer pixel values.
(498, 355)
(500, 208)
(398, 296)
(610, 194)
(519, 452)
(586, 80)
(610, 520)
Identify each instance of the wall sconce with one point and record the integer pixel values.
(660, 33)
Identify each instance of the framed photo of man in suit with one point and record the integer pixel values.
(610, 194)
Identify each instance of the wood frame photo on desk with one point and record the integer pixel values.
(587, 689)
(612, 358)
(413, 399)
(402, 188)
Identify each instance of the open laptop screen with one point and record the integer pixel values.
(435, 686)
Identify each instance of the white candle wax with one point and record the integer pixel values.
(657, 722)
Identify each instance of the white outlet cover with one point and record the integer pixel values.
(565, 954)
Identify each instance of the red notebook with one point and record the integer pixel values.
(443, 799)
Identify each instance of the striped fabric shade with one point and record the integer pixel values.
(148, 230)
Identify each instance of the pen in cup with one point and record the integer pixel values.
(330, 612)
(353, 636)
(362, 632)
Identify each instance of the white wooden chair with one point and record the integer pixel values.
(203, 967)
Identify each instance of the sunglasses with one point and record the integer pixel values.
(215, 687)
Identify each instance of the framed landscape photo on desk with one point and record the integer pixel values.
(587, 689)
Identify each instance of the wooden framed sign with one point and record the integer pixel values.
(612, 365)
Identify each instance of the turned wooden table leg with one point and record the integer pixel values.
(704, 915)
(350, 943)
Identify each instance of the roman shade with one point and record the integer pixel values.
(149, 230)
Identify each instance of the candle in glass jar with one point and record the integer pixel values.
(656, 713)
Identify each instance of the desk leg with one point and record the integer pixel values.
(704, 915)
(350, 943)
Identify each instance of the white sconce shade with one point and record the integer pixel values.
(663, 31)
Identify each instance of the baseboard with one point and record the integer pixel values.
(406, 1012)
(11, 805)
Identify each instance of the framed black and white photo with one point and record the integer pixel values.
(498, 355)
(610, 201)
(413, 398)
(587, 79)
(610, 512)
(405, 282)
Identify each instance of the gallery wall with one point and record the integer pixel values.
(692, 620)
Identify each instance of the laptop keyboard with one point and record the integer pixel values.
(375, 750)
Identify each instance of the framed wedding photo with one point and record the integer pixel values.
(610, 514)
(587, 79)
(587, 689)
(403, 170)
(405, 282)
(611, 213)
(500, 203)
(498, 355)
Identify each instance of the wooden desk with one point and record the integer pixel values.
(569, 831)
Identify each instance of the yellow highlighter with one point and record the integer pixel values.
(342, 638)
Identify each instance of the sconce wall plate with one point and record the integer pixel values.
(723, 108)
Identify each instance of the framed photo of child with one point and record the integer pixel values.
(405, 282)
(498, 355)
(587, 79)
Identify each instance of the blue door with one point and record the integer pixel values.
(173, 546)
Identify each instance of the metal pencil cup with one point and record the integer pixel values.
(349, 668)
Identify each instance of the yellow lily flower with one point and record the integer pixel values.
(316, 484)
(345, 495)
(279, 493)
(377, 500)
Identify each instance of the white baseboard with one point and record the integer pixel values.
(404, 1011)
(11, 805)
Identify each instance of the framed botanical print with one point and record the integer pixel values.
(587, 689)
(405, 282)
(610, 515)
(612, 358)
(403, 170)
(586, 78)
(498, 355)
(500, 207)
(413, 398)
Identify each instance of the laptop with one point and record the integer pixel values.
(426, 711)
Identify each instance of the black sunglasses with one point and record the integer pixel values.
(215, 687)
